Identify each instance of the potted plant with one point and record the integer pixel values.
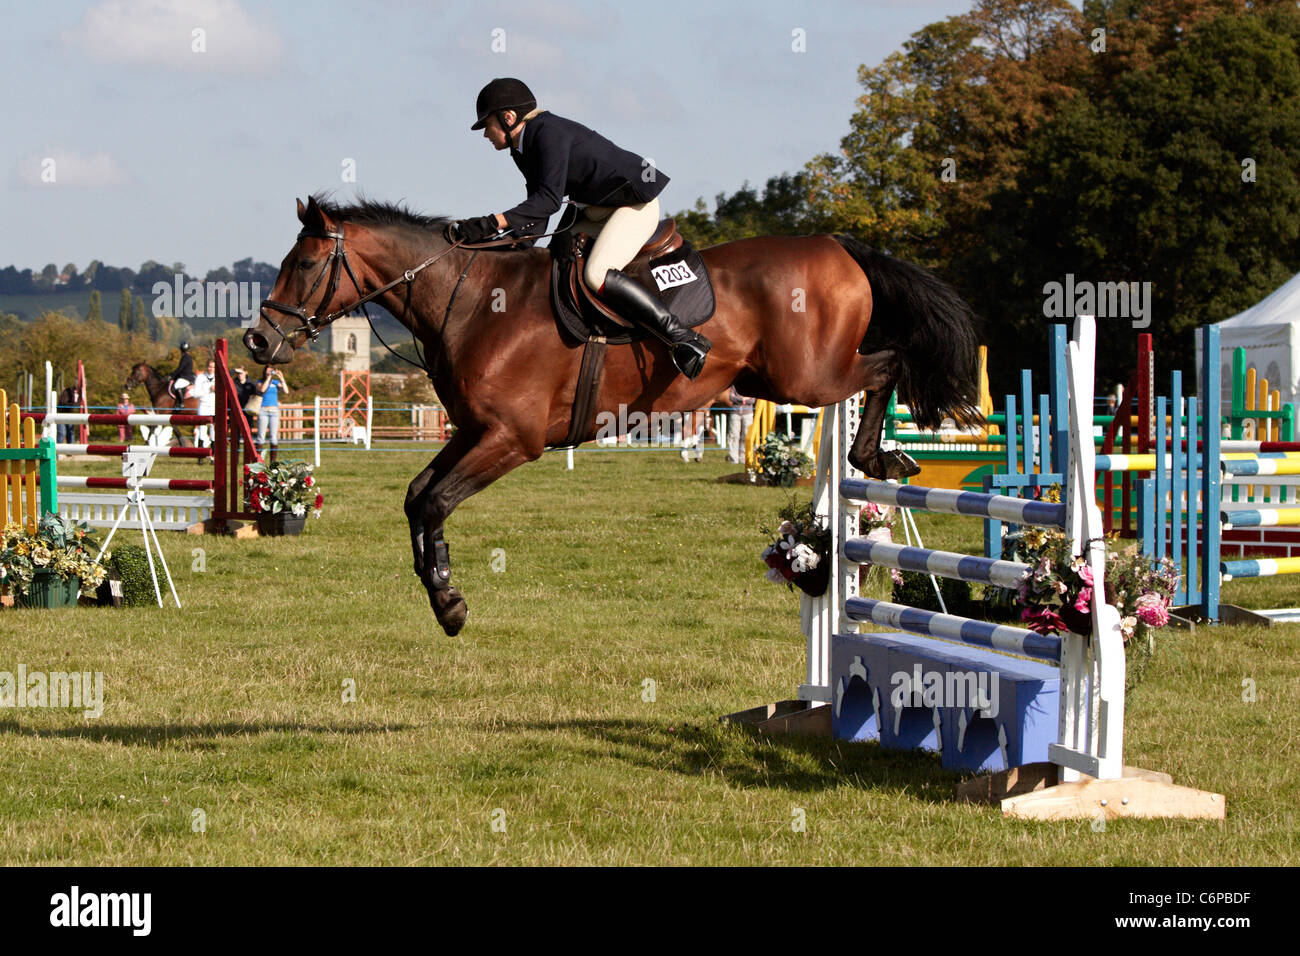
(282, 493)
(47, 568)
(778, 460)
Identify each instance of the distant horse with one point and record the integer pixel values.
(790, 326)
(161, 399)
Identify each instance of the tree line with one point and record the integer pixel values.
(99, 277)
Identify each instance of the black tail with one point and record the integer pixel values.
(916, 312)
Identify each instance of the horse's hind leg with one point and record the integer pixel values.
(881, 375)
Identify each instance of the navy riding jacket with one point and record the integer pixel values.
(559, 158)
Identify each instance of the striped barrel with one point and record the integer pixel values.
(1001, 637)
(1262, 466)
(974, 503)
(140, 418)
(148, 484)
(963, 567)
(1259, 567)
(165, 452)
(1260, 518)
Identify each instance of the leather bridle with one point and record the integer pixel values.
(334, 266)
(337, 263)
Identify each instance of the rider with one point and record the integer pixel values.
(183, 377)
(618, 189)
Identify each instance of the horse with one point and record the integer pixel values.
(161, 399)
(791, 326)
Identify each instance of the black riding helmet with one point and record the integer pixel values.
(504, 93)
(185, 345)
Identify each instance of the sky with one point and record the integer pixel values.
(183, 130)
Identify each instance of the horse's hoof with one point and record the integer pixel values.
(899, 465)
(886, 465)
(450, 609)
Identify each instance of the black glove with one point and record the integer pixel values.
(476, 230)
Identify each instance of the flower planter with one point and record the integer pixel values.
(49, 590)
(813, 583)
(280, 523)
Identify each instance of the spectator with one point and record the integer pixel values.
(739, 419)
(268, 416)
(69, 401)
(244, 390)
(124, 407)
(205, 390)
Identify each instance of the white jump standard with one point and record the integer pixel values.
(1073, 711)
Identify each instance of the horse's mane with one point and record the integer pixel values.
(373, 212)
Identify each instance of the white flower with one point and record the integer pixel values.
(804, 558)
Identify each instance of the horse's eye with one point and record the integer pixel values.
(306, 264)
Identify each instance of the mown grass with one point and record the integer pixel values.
(635, 567)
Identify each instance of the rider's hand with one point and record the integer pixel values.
(476, 230)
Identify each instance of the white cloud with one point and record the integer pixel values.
(66, 167)
(162, 33)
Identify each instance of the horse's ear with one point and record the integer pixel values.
(313, 218)
(302, 211)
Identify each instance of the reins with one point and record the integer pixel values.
(311, 326)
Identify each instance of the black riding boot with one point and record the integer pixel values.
(635, 301)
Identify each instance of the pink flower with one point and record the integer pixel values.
(1085, 574)
(1151, 610)
(1083, 602)
(1043, 620)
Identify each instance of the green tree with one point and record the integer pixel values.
(96, 310)
(124, 311)
(1167, 178)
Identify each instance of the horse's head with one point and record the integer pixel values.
(309, 280)
(139, 375)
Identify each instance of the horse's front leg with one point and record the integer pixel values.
(879, 375)
(417, 492)
(491, 456)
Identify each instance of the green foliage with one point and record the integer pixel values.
(132, 565)
(124, 311)
(917, 590)
(95, 312)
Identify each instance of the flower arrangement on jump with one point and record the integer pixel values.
(1057, 593)
(59, 545)
(797, 554)
(287, 486)
(778, 460)
(800, 548)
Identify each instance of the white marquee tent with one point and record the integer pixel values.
(1269, 331)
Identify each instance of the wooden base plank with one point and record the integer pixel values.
(1127, 797)
(786, 717)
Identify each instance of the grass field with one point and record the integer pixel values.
(528, 738)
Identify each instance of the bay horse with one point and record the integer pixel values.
(790, 326)
(161, 400)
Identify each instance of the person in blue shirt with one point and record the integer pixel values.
(617, 189)
(268, 416)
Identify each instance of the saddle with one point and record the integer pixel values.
(667, 264)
